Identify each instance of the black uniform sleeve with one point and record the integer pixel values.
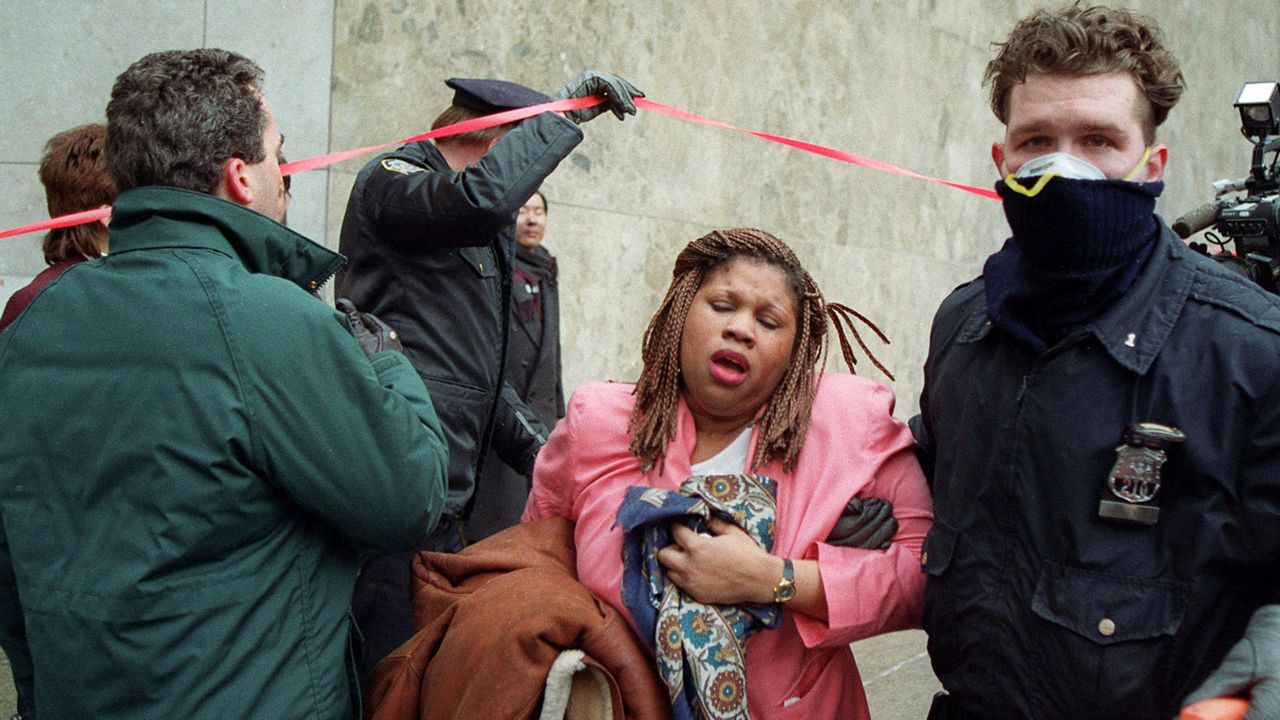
(924, 443)
(921, 424)
(408, 204)
(1260, 482)
(518, 434)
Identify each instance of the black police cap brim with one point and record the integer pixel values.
(491, 96)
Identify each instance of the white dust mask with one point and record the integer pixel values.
(1061, 164)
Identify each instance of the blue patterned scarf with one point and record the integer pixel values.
(700, 649)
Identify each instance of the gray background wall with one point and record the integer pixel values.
(895, 80)
(60, 59)
(898, 81)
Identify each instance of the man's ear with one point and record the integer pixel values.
(1156, 162)
(997, 156)
(234, 183)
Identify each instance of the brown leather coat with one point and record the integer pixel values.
(491, 621)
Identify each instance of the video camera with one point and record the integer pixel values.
(1251, 222)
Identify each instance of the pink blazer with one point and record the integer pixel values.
(804, 668)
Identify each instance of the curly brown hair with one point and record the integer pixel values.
(785, 421)
(1077, 40)
(176, 116)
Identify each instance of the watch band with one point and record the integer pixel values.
(786, 587)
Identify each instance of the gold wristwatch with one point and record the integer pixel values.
(786, 587)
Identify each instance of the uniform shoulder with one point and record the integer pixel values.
(404, 162)
(958, 309)
(963, 296)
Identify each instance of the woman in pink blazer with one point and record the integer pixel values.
(730, 386)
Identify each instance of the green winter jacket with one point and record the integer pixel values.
(197, 453)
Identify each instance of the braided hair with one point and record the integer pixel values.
(785, 420)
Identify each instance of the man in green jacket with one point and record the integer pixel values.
(197, 452)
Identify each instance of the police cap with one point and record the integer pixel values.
(491, 96)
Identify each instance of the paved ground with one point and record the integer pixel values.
(8, 698)
(897, 675)
(894, 669)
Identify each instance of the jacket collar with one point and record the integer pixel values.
(1135, 328)
(152, 217)
(423, 152)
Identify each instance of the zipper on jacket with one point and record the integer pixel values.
(317, 283)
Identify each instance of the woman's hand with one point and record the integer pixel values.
(726, 567)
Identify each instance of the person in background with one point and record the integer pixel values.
(1100, 419)
(197, 452)
(533, 366)
(75, 179)
(429, 234)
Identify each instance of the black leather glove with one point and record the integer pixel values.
(866, 523)
(372, 334)
(616, 91)
(1251, 668)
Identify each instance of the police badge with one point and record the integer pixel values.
(1135, 478)
(396, 165)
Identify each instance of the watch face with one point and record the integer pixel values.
(786, 592)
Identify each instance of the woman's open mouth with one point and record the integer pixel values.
(729, 367)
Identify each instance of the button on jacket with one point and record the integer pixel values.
(1035, 605)
(196, 451)
(430, 253)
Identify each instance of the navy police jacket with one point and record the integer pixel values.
(430, 253)
(1035, 605)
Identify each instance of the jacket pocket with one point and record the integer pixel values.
(1118, 631)
(1108, 609)
(939, 545)
(480, 260)
(942, 593)
(463, 411)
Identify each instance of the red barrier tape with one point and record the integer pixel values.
(321, 161)
(479, 123)
(809, 147)
(80, 218)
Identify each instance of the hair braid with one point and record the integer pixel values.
(785, 420)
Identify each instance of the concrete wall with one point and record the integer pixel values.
(899, 81)
(60, 59)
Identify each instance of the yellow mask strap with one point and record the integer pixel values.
(1012, 181)
(1146, 155)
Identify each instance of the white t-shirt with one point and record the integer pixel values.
(732, 460)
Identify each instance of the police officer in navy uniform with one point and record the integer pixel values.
(1100, 421)
(428, 234)
(533, 366)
